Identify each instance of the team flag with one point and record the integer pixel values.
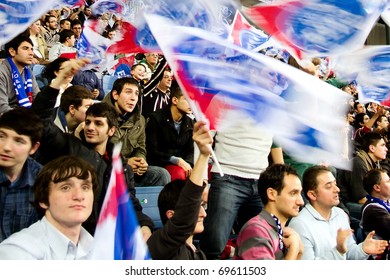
(279, 97)
(17, 16)
(318, 28)
(118, 235)
(245, 35)
(370, 68)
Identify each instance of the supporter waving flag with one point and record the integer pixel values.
(17, 16)
(318, 28)
(118, 235)
(278, 96)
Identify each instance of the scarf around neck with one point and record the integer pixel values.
(23, 90)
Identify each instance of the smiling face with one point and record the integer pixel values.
(70, 202)
(126, 100)
(97, 131)
(326, 194)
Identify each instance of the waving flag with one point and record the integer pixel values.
(118, 235)
(245, 35)
(278, 96)
(318, 28)
(370, 68)
(16, 16)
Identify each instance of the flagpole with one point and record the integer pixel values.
(200, 117)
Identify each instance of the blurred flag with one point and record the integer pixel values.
(16, 16)
(245, 35)
(118, 235)
(318, 28)
(92, 45)
(304, 113)
(370, 68)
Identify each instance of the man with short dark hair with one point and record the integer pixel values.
(169, 141)
(323, 227)
(65, 46)
(18, 84)
(266, 235)
(20, 134)
(376, 210)
(63, 196)
(131, 132)
(51, 31)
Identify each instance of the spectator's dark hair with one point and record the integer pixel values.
(47, 18)
(108, 30)
(162, 74)
(371, 178)
(356, 104)
(273, 177)
(104, 110)
(175, 92)
(359, 118)
(23, 121)
(370, 138)
(74, 95)
(59, 170)
(62, 21)
(379, 119)
(76, 22)
(120, 83)
(65, 34)
(168, 197)
(16, 42)
(309, 178)
(54, 66)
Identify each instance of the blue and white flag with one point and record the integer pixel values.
(318, 28)
(118, 235)
(370, 68)
(304, 113)
(16, 16)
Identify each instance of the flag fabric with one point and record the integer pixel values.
(370, 68)
(304, 113)
(118, 235)
(318, 28)
(245, 35)
(93, 45)
(17, 16)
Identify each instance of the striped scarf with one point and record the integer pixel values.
(24, 91)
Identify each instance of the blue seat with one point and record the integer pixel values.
(148, 197)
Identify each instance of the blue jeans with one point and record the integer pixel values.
(230, 197)
(154, 176)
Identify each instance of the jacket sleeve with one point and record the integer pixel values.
(164, 243)
(357, 191)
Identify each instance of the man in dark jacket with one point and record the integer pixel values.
(169, 137)
(92, 144)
